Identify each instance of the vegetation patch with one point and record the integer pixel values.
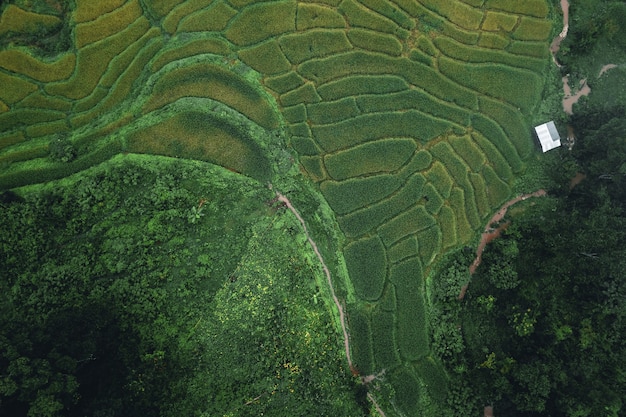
(365, 260)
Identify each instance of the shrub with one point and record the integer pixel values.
(311, 16)
(300, 47)
(409, 222)
(260, 21)
(371, 157)
(403, 249)
(384, 346)
(364, 220)
(367, 267)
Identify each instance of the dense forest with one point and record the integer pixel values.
(541, 329)
(151, 286)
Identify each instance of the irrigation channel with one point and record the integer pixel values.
(338, 304)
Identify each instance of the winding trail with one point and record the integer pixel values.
(342, 314)
(490, 233)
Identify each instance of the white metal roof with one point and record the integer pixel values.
(548, 136)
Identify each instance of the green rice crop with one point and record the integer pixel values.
(313, 166)
(17, 20)
(304, 145)
(137, 51)
(311, 16)
(429, 243)
(362, 84)
(261, 21)
(518, 87)
(191, 48)
(403, 249)
(107, 25)
(332, 111)
(513, 124)
(434, 377)
(464, 231)
(454, 165)
(374, 41)
(407, 391)
(359, 16)
(475, 54)
(20, 62)
(9, 139)
(499, 139)
(409, 222)
(361, 338)
(497, 190)
(371, 157)
(414, 99)
(532, 49)
(93, 60)
(420, 161)
(447, 223)
(25, 117)
(390, 12)
(388, 300)
(456, 12)
(498, 22)
(434, 201)
(364, 220)
(303, 94)
(266, 58)
(480, 194)
(440, 178)
(14, 88)
(45, 129)
(40, 100)
(530, 29)
(467, 149)
(300, 47)
(471, 211)
(285, 82)
(370, 127)
(299, 129)
(461, 35)
(537, 8)
(295, 114)
(215, 18)
(365, 260)
(492, 41)
(89, 10)
(495, 158)
(384, 346)
(354, 193)
(412, 332)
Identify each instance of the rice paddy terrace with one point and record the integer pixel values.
(410, 116)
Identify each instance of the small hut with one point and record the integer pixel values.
(548, 136)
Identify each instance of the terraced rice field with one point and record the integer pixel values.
(411, 116)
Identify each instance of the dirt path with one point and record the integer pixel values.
(490, 233)
(338, 304)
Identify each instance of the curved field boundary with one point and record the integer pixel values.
(410, 116)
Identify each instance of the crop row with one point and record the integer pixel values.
(354, 193)
(409, 222)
